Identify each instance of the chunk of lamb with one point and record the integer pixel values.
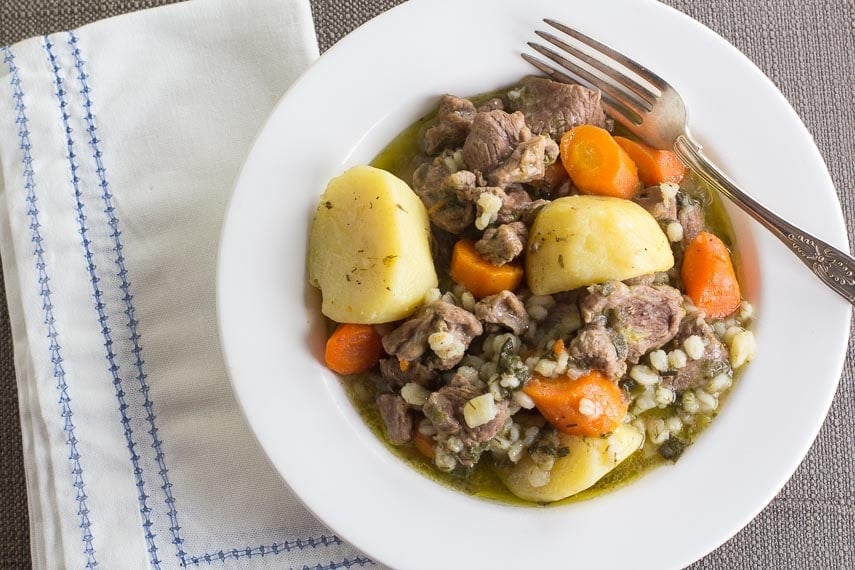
(661, 204)
(454, 118)
(715, 358)
(396, 417)
(552, 108)
(562, 320)
(438, 186)
(691, 217)
(494, 104)
(646, 316)
(517, 205)
(527, 163)
(492, 138)
(599, 348)
(503, 309)
(444, 409)
(412, 339)
(396, 373)
(502, 244)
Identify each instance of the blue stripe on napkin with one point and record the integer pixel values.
(54, 348)
(97, 293)
(126, 411)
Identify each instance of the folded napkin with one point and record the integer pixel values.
(119, 145)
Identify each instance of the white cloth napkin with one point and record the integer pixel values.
(120, 143)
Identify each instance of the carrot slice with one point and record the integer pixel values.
(597, 164)
(353, 348)
(591, 405)
(481, 277)
(654, 166)
(709, 277)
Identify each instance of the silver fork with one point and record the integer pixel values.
(657, 115)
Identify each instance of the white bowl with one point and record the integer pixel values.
(342, 112)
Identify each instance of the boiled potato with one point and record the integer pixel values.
(369, 248)
(581, 240)
(588, 460)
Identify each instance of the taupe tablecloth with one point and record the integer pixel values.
(807, 47)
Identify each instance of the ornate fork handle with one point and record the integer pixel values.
(834, 267)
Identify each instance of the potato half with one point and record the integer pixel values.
(588, 460)
(581, 240)
(369, 248)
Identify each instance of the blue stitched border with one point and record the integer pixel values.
(97, 293)
(47, 305)
(127, 298)
(261, 551)
(136, 340)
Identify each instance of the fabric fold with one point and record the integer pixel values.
(119, 146)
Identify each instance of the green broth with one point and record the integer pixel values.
(401, 157)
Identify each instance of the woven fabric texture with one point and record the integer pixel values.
(805, 47)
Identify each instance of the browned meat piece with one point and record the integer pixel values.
(502, 244)
(397, 418)
(655, 201)
(428, 178)
(444, 409)
(554, 184)
(691, 217)
(552, 108)
(716, 357)
(528, 162)
(441, 247)
(410, 340)
(600, 348)
(452, 125)
(530, 211)
(504, 309)
(515, 204)
(397, 374)
(646, 316)
(493, 137)
(561, 322)
(438, 186)
(494, 104)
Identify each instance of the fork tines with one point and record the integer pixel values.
(599, 70)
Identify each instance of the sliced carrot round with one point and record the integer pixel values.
(597, 164)
(654, 166)
(591, 405)
(709, 277)
(353, 348)
(478, 275)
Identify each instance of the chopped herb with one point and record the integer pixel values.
(328, 205)
(510, 363)
(562, 451)
(561, 260)
(672, 448)
(400, 207)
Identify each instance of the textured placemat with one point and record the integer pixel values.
(806, 47)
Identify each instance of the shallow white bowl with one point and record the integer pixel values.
(342, 112)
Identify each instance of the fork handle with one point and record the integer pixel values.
(834, 267)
